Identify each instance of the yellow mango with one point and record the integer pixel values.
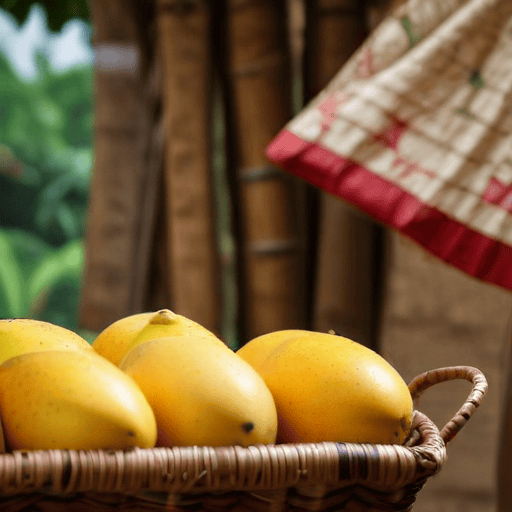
(22, 335)
(116, 340)
(330, 388)
(202, 393)
(72, 399)
(259, 348)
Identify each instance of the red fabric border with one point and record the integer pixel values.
(448, 239)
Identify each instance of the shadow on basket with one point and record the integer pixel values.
(288, 477)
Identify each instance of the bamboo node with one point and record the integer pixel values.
(260, 173)
(271, 247)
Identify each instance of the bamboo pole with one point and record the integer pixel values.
(126, 166)
(271, 294)
(184, 38)
(158, 293)
(346, 292)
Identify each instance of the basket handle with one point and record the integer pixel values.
(428, 379)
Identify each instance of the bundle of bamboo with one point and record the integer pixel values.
(252, 59)
(304, 260)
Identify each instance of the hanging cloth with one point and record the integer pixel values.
(416, 131)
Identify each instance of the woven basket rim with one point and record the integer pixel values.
(198, 469)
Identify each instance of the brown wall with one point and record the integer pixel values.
(434, 316)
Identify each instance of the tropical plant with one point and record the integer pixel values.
(59, 11)
(45, 165)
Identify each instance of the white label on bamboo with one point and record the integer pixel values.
(116, 58)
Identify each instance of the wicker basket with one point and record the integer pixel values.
(321, 476)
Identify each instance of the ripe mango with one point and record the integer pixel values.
(259, 348)
(116, 340)
(202, 393)
(22, 335)
(72, 399)
(330, 388)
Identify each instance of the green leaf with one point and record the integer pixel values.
(11, 282)
(60, 305)
(65, 262)
(67, 221)
(50, 114)
(58, 11)
(29, 249)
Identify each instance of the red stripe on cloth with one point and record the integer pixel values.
(448, 239)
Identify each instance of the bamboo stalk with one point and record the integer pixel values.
(124, 180)
(346, 299)
(158, 293)
(272, 295)
(184, 35)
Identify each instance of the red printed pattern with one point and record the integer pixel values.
(499, 194)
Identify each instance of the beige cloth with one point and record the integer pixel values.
(425, 105)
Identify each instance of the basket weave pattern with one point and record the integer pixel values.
(315, 476)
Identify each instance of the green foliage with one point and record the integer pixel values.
(57, 275)
(11, 281)
(45, 167)
(59, 11)
(46, 128)
(38, 280)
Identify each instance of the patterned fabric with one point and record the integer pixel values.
(416, 131)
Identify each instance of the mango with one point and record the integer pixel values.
(202, 393)
(22, 335)
(72, 399)
(116, 340)
(330, 388)
(259, 348)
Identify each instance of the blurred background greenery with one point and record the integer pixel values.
(46, 123)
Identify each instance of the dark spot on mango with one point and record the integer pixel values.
(130, 433)
(248, 427)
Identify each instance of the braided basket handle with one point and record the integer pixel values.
(428, 379)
